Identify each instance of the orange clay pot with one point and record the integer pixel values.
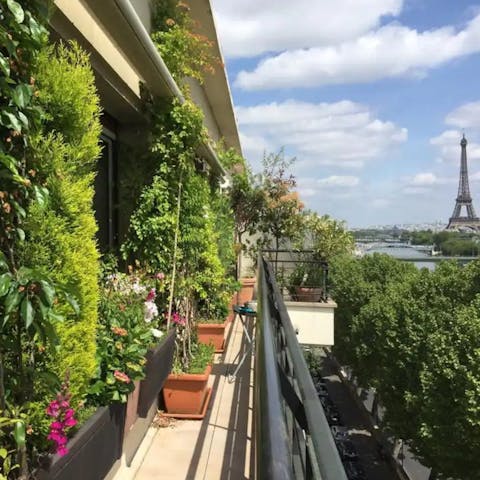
(212, 333)
(246, 292)
(185, 393)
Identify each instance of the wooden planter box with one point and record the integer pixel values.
(212, 333)
(158, 366)
(93, 450)
(187, 395)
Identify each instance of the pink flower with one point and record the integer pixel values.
(151, 295)
(70, 422)
(62, 451)
(121, 377)
(160, 276)
(60, 410)
(53, 409)
(179, 320)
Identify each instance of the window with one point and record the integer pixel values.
(105, 198)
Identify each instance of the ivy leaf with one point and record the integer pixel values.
(21, 234)
(51, 333)
(47, 293)
(36, 30)
(10, 120)
(55, 317)
(22, 95)
(19, 209)
(3, 260)
(5, 282)
(17, 10)
(72, 301)
(41, 195)
(4, 65)
(12, 300)
(23, 118)
(26, 311)
(9, 162)
(19, 433)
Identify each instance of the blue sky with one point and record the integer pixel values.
(370, 96)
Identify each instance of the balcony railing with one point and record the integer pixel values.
(292, 435)
(300, 276)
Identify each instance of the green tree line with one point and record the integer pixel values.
(448, 243)
(414, 336)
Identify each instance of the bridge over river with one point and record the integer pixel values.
(421, 255)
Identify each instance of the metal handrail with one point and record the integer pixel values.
(288, 262)
(292, 435)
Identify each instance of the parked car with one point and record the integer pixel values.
(347, 450)
(339, 433)
(333, 416)
(354, 470)
(326, 402)
(321, 390)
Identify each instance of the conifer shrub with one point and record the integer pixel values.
(60, 239)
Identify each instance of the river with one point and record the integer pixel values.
(406, 252)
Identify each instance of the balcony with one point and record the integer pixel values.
(276, 399)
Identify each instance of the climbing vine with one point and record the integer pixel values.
(186, 53)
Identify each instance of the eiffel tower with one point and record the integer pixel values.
(464, 199)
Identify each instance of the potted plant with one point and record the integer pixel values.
(305, 283)
(125, 334)
(93, 448)
(212, 321)
(186, 393)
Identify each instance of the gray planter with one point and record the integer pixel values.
(93, 450)
(159, 365)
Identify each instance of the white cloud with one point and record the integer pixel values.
(339, 181)
(341, 134)
(448, 146)
(250, 27)
(466, 116)
(427, 178)
(390, 51)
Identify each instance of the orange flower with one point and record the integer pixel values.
(119, 331)
(121, 377)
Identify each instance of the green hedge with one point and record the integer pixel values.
(61, 238)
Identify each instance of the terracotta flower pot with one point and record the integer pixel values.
(212, 333)
(231, 314)
(186, 395)
(306, 294)
(246, 292)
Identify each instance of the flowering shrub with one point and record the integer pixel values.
(63, 420)
(128, 317)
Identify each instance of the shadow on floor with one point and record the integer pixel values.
(233, 466)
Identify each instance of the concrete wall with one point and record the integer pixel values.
(314, 322)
